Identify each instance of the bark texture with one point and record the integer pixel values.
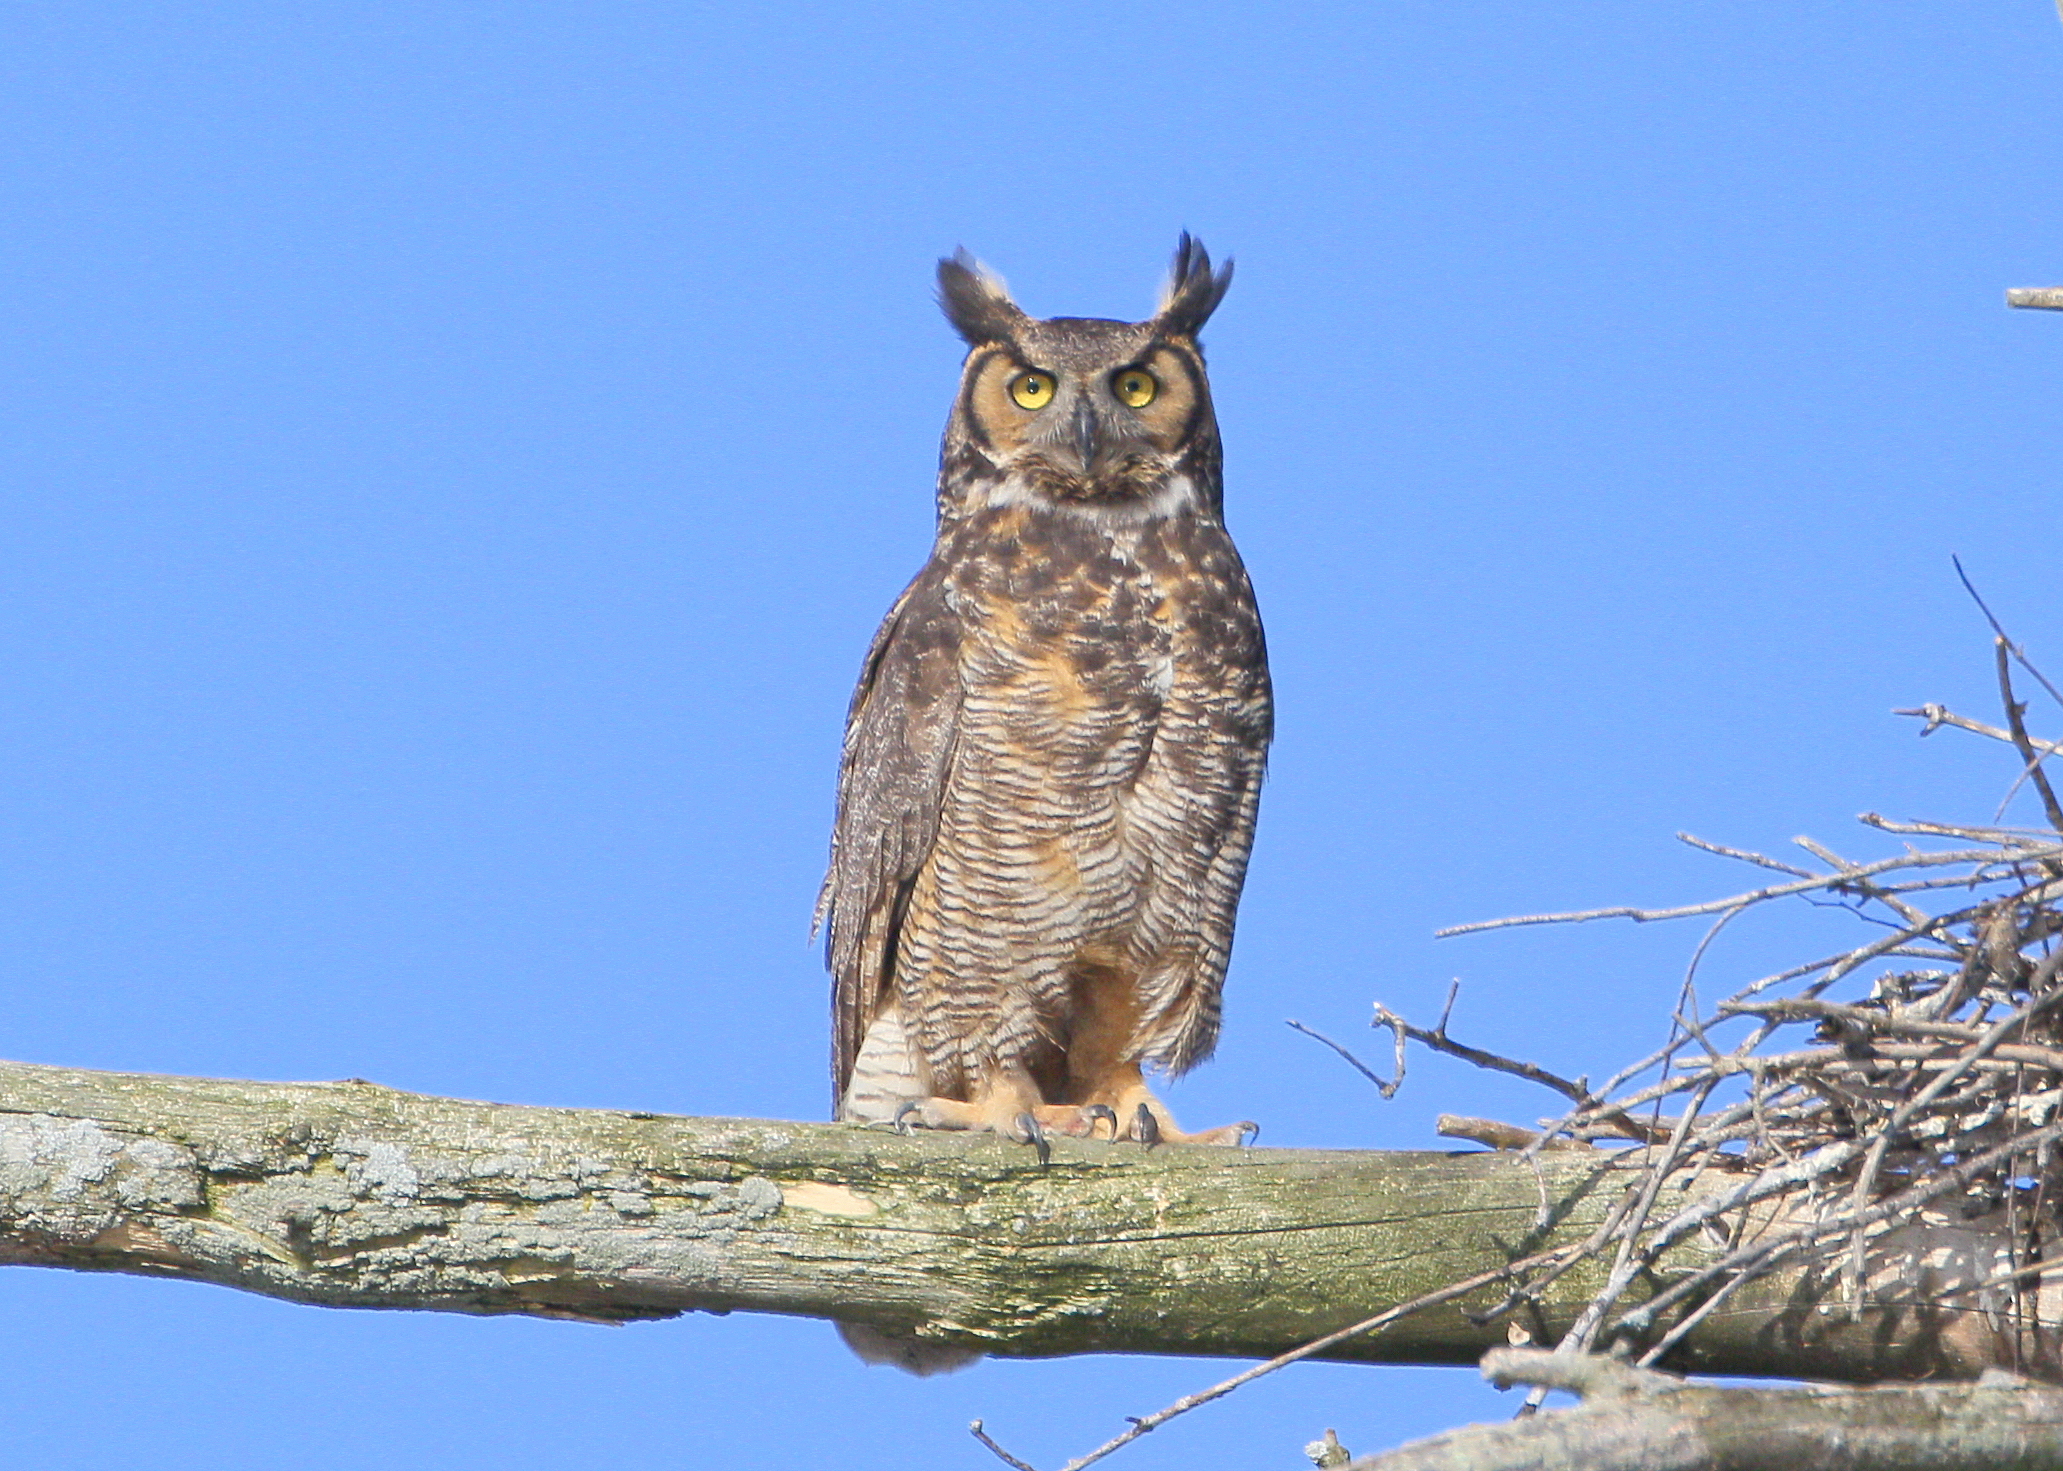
(1633, 1420)
(354, 1195)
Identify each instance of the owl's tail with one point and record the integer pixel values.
(884, 1075)
(910, 1354)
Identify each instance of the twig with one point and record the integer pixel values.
(1756, 896)
(2016, 722)
(1766, 1254)
(1887, 897)
(1690, 972)
(1940, 715)
(2035, 1268)
(1999, 629)
(1584, 1331)
(1869, 1019)
(1623, 1125)
(1695, 1316)
(1388, 1090)
(2006, 1056)
(1760, 860)
(1439, 1041)
(1002, 1455)
(1496, 1134)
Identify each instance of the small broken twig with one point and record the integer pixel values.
(1439, 1041)
(1619, 1123)
(1002, 1455)
(1388, 1090)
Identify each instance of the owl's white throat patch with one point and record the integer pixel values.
(1176, 497)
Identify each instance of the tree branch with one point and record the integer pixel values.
(354, 1195)
(1637, 1420)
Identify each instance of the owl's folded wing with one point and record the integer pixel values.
(891, 784)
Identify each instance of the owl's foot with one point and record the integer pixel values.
(1078, 1122)
(1120, 1091)
(1151, 1125)
(1002, 1115)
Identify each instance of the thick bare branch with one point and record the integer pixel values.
(349, 1194)
(1638, 1420)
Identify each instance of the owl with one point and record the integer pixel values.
(1054, 756)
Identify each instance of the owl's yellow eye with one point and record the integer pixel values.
(1135, 387)
(1032, 390)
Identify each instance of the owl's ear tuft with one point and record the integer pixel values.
(976, 301)
(1194, 289)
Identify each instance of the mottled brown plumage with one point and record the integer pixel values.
(1055, 752)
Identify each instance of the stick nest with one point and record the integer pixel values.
(1912, 1080)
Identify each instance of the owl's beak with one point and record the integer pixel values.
(1088, 433)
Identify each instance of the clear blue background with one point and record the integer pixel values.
(454, 457)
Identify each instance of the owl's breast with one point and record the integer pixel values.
(1083, 638)
(1062, 615)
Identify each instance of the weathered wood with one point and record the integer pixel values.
(350, 1194)
(2045, 298)
(1633, 1420)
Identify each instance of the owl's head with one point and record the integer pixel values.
(1103, 418)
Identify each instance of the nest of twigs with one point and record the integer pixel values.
(1915, 1080)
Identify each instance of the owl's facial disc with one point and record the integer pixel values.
(1081, 412)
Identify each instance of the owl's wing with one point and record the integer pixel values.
(891, 785)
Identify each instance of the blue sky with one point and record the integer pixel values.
(454, 458)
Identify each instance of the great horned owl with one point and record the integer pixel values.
(1054, 755)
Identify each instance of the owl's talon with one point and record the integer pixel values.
(903, 1111)
(1145, 1127)
(1028, 1128)
(1102, 1111)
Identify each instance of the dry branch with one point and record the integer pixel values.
(352, 1195)
(1638, 1420)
